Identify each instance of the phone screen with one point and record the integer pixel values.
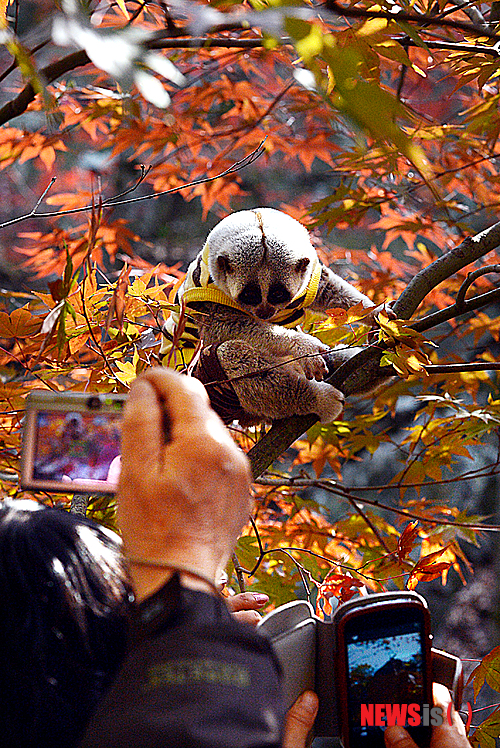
(77, 449)
(386, 674)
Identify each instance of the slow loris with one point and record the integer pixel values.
(249, 287)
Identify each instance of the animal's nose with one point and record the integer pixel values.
(264, 311)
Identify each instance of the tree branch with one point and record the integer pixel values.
(55, 70)
(333, 487)
(443, 315)
(194, 42)
(114, 200)
(471, 49)
(50, 73)
(457, 368)
(418, 18)
(460, 301)
(471, 249)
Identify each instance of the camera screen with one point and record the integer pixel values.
(385, 665)
(75, 446)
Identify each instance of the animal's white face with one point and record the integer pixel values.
(261, 258)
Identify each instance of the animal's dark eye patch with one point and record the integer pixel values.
(251, 295)
(224, 265)
(278, 294)
(302, 264)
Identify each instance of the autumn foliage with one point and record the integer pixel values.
(377, 126)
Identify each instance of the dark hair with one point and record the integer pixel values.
(64, 598)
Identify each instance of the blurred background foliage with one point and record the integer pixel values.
(377, 125)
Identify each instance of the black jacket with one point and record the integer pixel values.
(193, 678)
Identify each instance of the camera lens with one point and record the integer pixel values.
(94, 403)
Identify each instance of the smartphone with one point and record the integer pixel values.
(383, 645)
(71, 442)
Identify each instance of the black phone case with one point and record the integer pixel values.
(304, 646)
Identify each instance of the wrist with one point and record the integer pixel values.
(203, 554)
(148, 575)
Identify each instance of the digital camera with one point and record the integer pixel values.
(71, 442)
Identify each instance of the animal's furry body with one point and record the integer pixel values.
(250, 285)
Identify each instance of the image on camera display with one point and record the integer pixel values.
(76, 446)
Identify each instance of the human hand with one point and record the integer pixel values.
(443, 736)
(300, 720)
(184, 501)
(244, 606)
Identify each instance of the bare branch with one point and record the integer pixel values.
(239, 572)
(457, 368)
(357, 508)
(473, 13)
(341, 491)
(419, 19)
(470, 280)
(472, 49)
(196, 42)
(443, 315)
(470, 250)
(112, 202)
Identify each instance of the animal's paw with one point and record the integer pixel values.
(330, 402)
(308, 353)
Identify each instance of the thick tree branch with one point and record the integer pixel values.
(363, 370)
(50, 73)
(471, 249)
(55, 70)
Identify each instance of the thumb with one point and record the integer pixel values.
(300, 720)
(397, 737)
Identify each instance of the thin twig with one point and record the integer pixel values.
(239, 572)
(332, 487)
(368, 521)
(112, 202)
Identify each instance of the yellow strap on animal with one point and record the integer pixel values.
(307, 297)
(208, 292)
(312, 286)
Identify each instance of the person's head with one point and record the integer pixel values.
(63, 604)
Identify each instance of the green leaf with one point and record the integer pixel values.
(486, 735)
(488, 671)
(414, 36)
(371, 107)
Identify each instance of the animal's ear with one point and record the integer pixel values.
(302, 264)
(224, 265)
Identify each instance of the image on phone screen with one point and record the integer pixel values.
(385, 665)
